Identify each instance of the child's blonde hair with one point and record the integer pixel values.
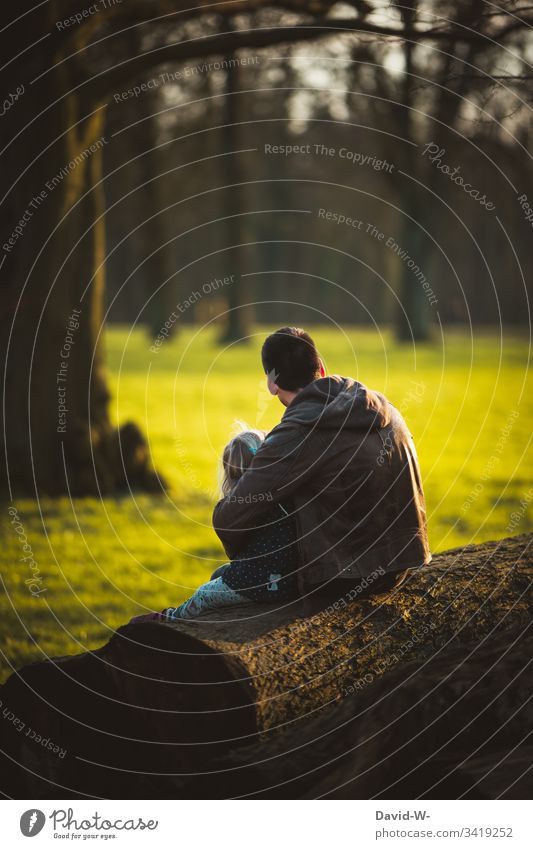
(239, 453)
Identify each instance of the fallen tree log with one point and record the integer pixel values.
(459, 726)
(256, 702)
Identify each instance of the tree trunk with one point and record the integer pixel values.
(58, 433)
(412, 314)
(58, 436)
(356, 683)
(238, 318)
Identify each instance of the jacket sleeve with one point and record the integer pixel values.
(279, 468)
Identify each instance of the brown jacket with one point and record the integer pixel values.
(343, 457)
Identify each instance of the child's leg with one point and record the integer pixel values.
(211, 596)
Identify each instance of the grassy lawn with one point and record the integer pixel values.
(466, 398)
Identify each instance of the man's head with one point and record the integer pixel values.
(291, 362)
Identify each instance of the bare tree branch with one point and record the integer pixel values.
(217, 43)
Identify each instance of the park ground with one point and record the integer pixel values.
(466, 397)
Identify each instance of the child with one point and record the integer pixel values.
(265, 570)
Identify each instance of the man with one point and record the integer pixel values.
(343, 456)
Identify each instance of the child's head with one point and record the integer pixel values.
(238, 454)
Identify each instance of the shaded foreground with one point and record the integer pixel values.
(424, 693)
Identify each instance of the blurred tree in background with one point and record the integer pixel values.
(135, 171)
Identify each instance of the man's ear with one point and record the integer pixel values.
(322, 369)
(273, 387)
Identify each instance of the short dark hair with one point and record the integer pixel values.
(291, 355)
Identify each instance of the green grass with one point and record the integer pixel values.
(467, 401)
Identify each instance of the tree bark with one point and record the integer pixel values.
(282, 696)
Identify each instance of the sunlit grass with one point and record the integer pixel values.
(466, 399)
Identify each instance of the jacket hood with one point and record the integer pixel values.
(336, 402)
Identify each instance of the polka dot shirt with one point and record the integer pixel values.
(266, 569)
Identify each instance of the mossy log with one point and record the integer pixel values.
(457, 726)
(271, 703)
